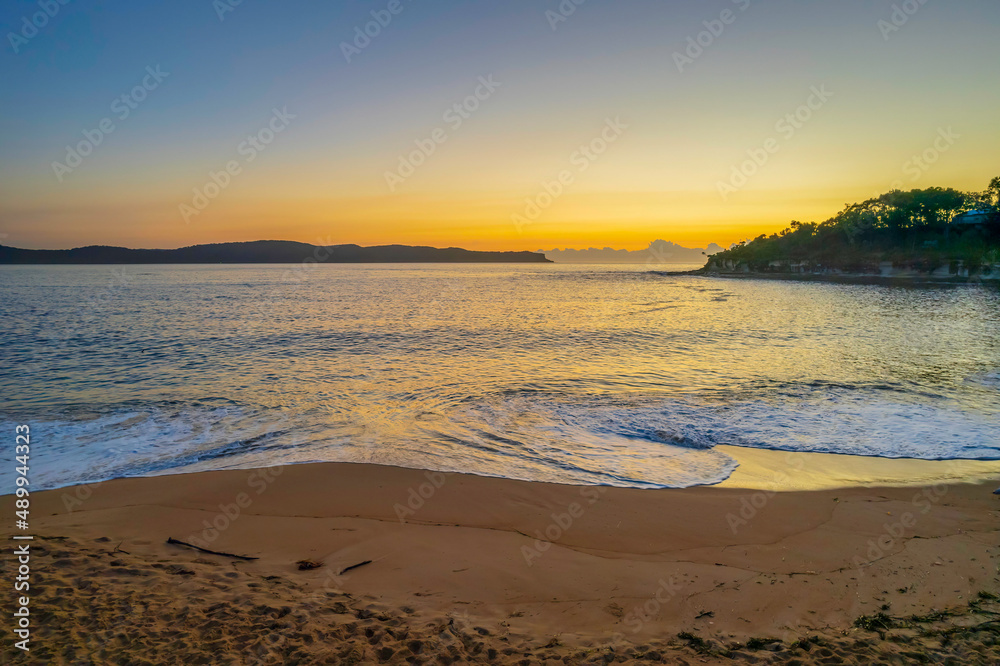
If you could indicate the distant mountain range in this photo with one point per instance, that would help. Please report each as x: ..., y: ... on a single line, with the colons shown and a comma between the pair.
x: 262, y: 252
x: 659, y: 251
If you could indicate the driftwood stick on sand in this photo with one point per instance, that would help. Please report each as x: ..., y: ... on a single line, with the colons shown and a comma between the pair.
x: 178, y: 542
x: 354, y: 566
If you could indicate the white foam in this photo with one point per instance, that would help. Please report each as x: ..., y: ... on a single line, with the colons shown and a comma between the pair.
x: 643, y: 441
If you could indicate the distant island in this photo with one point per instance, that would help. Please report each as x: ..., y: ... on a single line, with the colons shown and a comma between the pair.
x: 933, y: 233
x: 264, y: 252
x: 659, y: 251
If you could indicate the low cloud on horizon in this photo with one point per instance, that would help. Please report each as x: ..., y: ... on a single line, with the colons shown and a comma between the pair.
x: 660, y: 250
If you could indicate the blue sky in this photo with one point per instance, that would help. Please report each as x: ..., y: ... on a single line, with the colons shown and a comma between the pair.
x: 353, y: 121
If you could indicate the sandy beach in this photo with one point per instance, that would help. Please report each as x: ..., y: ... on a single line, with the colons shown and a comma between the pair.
x: 507, y: 333
x: 464, y: 569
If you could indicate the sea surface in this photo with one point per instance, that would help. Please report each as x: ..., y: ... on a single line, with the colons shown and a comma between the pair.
x: 588, y: 374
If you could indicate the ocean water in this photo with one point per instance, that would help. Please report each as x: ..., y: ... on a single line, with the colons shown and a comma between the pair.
x: 617, y: 375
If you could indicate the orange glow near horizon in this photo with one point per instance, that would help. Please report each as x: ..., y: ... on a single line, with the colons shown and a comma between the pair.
x: 641, y: 147
x: 622, y: 220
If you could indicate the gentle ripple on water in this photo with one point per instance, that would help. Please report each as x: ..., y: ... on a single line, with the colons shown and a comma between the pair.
x: 578, y: 374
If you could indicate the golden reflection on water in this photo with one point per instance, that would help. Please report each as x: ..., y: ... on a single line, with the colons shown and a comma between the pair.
x: 600, y: 374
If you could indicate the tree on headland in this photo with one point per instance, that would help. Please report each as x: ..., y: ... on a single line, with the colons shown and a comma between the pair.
x: 991, y: 195
x: 912, y: 227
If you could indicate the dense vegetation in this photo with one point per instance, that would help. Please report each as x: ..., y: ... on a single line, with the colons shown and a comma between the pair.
x: 910, y: 229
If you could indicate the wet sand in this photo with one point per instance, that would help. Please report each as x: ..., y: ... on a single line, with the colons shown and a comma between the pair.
x: 466, y: 569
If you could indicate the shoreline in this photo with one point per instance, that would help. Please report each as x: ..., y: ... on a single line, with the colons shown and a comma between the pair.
x: 846, y: 278
x: 787, y: 471
x: 758, y: 469
x: 540, y: 568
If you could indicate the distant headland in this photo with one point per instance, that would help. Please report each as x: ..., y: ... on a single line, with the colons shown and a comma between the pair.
x: 264, y: 252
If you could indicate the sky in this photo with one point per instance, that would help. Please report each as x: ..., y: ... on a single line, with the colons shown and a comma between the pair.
x: 603, y: 123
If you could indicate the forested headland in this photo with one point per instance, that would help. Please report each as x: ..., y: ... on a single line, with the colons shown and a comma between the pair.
x: 934, y: 230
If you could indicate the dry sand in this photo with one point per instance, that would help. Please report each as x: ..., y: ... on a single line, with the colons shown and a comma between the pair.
x: 510, y: 572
